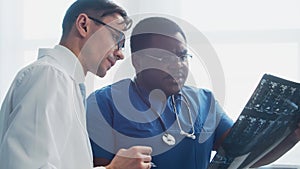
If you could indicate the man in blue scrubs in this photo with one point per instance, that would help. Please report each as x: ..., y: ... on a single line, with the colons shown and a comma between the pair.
x: 182, y: 124
x: 155, y: 108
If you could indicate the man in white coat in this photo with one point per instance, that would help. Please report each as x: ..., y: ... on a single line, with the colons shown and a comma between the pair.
x: 42, y: 119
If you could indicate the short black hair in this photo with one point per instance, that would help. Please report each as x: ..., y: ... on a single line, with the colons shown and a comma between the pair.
x: 99, y: 7
x: 150, y: 27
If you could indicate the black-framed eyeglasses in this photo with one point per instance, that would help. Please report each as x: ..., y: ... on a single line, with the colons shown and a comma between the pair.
x: 120, y: 38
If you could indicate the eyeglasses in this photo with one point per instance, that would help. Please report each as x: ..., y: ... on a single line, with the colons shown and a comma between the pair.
x: 168, y: 57
x: 120, y: 38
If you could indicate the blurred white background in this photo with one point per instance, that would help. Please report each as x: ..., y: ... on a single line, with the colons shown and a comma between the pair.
x: 250, y: 38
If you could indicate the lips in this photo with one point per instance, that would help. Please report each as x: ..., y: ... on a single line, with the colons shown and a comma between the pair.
x: 112, y: 60
x: 178, y: 78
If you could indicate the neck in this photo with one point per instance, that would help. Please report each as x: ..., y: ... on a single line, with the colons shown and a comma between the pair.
x: 76, y: 49
x: 149, y: 94
x: 143, y: 86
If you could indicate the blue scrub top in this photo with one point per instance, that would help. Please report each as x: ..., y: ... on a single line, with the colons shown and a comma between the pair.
x: 118, y: 118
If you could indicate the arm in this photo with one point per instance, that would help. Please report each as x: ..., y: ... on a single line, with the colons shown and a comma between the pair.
x: 281, y: 149
x: 29, y: 138
x: 136, y: 157
x: 100, y: 119
x: 220, y: 141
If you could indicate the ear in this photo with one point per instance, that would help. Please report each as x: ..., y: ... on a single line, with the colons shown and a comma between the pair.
x: 82, y: 24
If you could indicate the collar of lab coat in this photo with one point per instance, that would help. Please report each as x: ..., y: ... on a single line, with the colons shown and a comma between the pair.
x: 67, y: 59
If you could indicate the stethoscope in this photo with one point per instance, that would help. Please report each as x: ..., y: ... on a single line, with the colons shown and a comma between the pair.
x: 167, y: 137
x: 182, y: 132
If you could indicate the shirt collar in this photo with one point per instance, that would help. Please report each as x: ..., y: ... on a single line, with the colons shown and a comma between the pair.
x: 67, y: 59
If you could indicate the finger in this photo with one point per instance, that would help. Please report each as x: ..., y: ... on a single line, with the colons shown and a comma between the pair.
x: 146, y: 158
x: 143, y: 149
x: 147, y: 165
x: 139, y: 152
x: 297, y: 133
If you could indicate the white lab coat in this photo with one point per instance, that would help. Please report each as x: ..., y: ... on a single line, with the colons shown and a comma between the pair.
x: 42, y: 119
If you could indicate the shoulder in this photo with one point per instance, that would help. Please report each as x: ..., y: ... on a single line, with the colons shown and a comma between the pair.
x: 117, y: 88
x: 197, y: 92
x: 40, y: 71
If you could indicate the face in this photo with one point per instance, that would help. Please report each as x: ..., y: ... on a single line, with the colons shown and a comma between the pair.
x: 104, y: 46
x: 164, y: 65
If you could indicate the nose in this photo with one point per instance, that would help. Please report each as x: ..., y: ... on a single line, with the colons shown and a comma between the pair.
x: 176, y: 64
x: 119, y: 54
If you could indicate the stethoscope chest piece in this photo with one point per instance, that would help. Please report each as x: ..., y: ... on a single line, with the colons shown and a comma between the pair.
x: 168, y: 139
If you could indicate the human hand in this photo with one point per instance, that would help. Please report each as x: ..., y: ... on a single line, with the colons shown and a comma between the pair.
x: 136, y: 157
x: 294, y: 137
x: 297, y: 133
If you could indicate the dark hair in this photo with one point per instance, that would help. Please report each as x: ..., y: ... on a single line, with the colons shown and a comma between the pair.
x: 149, y: 27
x: 100, y: 8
